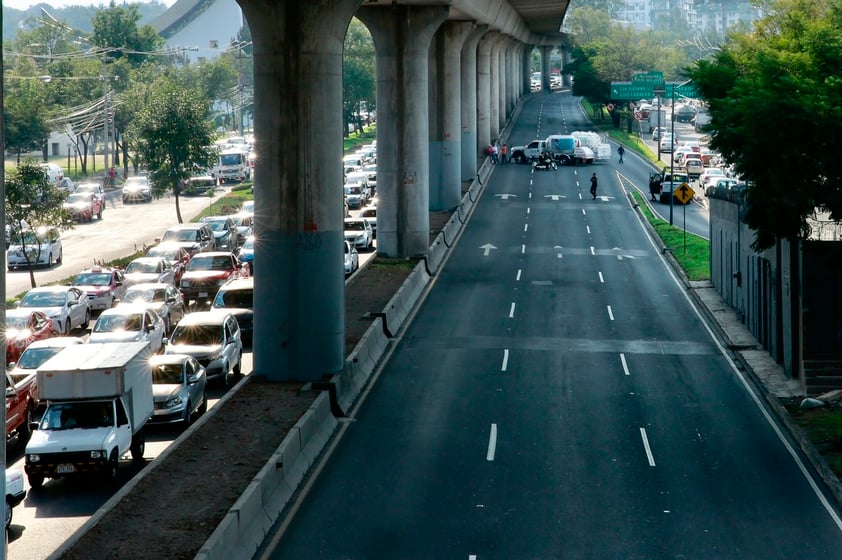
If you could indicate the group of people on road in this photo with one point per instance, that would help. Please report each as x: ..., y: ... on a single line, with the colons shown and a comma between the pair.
x: 498, y: 154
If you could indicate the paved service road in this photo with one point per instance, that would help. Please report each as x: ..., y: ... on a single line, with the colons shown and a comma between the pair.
x: 558, y: 397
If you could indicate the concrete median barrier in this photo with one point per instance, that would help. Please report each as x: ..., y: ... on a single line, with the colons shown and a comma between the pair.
x: 404, y: 300
x: 246, y: 524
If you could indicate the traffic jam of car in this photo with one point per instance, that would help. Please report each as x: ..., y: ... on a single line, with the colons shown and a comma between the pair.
x: 185, y: 302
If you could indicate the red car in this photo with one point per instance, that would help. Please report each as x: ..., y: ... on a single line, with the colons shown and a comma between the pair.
x: 83, y: 206
x: 23, y: 327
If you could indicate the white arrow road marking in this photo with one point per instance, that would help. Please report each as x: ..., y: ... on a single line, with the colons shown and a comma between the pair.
x: 604, y: 198
x: 554, y: 196
x: 506, y: 196
x: 558, y: 249
x: 487, y: 249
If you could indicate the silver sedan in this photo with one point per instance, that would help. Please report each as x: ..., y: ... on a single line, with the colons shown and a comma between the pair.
x: 179, y: 388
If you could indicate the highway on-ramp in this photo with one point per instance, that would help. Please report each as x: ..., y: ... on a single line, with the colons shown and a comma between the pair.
x: 558, y: 396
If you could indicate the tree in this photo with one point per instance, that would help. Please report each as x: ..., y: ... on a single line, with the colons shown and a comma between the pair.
x: 25, y: 123
x: 32, y: 202
x: 774, y: 103
x: 174, y: 135
x: 116, y: 27
x: 358, y: 72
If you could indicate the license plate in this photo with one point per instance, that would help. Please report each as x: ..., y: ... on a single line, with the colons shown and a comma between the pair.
x: 203, y: 294
x: 65, y: 469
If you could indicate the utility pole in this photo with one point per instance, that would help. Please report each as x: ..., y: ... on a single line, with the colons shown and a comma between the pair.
x: 105, y: 89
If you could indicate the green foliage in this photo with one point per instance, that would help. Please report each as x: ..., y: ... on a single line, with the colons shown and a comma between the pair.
x: 228, y: 204
x: 116, y: 27
x: 174, y: 134
x: 358, y: 71
x: 24, y: 114
x: 691, y: 251
x: 774, y: 102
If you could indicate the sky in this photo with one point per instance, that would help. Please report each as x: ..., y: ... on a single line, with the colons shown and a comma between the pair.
x: 25, y: 4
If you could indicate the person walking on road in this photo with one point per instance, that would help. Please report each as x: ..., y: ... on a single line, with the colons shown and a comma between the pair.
x: 593, y: 185
x: 621, y: 150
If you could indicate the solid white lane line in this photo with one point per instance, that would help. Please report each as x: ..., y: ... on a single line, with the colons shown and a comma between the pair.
x: 601, y: 279
x: 512, y: 311
x: 645, y: 439
x: 625, y: 365
x: 610, y: 313
x: 522, y: 249
x: 525, y: 227
x: 505, y: 359
x: 518, y: 276
x: 492, y: 443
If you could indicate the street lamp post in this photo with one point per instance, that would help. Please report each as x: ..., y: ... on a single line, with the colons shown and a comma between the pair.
x: 672, y: 143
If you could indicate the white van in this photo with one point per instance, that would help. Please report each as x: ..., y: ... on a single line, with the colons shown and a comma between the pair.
x: 54, y: 173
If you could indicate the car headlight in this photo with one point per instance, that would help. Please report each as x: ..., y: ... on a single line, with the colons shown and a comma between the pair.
x: 97, y: 454
x: 175, y: 401
x: 34, y: 458
x: 215, y: 355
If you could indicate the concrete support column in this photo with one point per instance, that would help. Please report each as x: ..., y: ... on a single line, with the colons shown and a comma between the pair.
x: 545, y: 67
x: 565, y: 60
x: 446, y: 119
x: 402, y: 36
x: 502, y: 80
x: 470, y: 143
x: 484, y: 134
x: 494, y: 81
x: 510, y: 79
x: 526, y: 70
x: 299, y: 327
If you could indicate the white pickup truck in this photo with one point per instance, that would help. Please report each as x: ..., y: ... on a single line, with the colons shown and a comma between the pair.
x: 99, y: 398
x: 670, y: 182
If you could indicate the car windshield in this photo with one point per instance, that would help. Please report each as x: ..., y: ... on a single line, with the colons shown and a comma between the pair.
x: 87, y: 415
x: 33, y: 358
x: 117, y: 323
x: 17, y: 322
x: 43, y: 299
x: 143, y: 266
x: 29, y: 238
x: 237, y: 220
x: 145, y: 295
x: 210, y: 263
x: 77, y: 198
x: 169, y: 254
x: 243, y: 299
x: 249, y: 244
x: 355, y: 226
x: 197, y: 335
x: 180, y: 235
x: 353, y: 190
x: 216, y: 225
x: 168, y: 374
x: 93, y: 279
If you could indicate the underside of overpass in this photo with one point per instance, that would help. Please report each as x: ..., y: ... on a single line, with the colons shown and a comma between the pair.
x: 448, y: 76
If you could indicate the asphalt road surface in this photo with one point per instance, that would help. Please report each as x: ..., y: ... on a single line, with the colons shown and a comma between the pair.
x: 558, y: 396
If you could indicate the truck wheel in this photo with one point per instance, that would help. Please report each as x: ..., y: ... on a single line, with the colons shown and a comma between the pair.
x: 113, y: 467
x: 138, y: 446
x: 520, y: 158
x: 25, y: 431
x: 35, y: 480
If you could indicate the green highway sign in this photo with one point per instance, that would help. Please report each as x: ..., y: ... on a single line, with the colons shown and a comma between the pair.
x: 652, y: 77
x: 628, y: 91
x: 685, y: 90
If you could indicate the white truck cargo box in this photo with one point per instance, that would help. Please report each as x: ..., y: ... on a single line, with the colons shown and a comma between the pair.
x: 101, y: 370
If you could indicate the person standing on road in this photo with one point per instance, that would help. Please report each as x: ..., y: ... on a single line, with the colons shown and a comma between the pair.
x: 621, y: 150
x: 504, y: 154
x: 494, y: 151
x: 593, y: 185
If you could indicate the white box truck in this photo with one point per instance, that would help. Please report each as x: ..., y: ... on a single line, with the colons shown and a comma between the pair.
x: 99, y: 398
